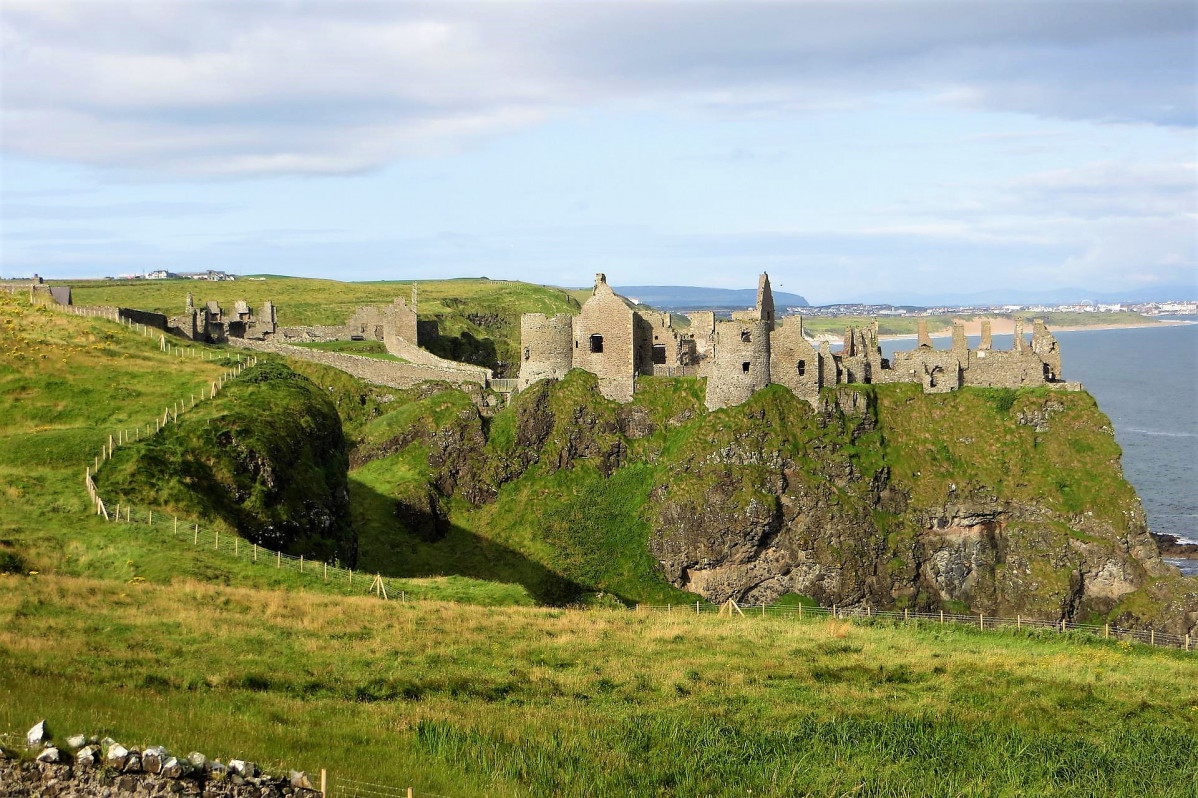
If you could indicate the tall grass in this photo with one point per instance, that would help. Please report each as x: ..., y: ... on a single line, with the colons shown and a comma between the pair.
x: 502, y: 701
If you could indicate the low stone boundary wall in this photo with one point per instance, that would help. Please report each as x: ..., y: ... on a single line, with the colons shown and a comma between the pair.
x: 375, y: 370
x: 88, y: 766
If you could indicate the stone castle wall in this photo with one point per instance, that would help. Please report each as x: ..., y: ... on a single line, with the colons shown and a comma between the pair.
x: 616, y: 342
x: 546, y: 347
x: 740, y: 363
x: 605, y: 341
x: 794, y: 360
x: 374, y: 370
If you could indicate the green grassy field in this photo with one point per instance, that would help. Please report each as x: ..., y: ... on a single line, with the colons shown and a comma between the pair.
x: 374, y: 349
x: 463, y: 700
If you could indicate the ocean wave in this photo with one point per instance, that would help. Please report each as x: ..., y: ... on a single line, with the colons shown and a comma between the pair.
x: 1161, y: 433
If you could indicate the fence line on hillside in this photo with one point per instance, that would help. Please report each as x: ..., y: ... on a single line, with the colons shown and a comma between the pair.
x: 980, y: 621
x: 170, y: 414
x: 233, y: 545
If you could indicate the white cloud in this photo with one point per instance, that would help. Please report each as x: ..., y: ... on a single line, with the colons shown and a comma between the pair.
x: 316, y: 87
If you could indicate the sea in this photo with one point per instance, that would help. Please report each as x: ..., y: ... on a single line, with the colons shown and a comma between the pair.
x: 1146, y: 380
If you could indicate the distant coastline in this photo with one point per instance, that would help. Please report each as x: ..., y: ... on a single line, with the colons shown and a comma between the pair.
x: 1007, y: 327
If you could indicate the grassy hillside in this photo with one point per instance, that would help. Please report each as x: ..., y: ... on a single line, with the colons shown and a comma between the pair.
x: 458, y: 700
x: 478, y: 319
x: 67, y: 382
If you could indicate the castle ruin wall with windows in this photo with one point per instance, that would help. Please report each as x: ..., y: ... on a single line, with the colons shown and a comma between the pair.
x: 613, y: 339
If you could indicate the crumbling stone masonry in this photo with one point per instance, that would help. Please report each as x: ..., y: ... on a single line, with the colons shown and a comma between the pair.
x: 212, y: 325
x: 617, y: 341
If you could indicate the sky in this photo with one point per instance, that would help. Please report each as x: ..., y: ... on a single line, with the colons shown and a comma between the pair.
x: 855, y: 151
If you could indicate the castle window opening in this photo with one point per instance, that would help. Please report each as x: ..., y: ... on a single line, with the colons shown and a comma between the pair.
x: 659, y: 354
x: 526, y: 353
x: 746, y: 337
x: 597, y: 343
x: 802, y: 367
x: 745, y: 367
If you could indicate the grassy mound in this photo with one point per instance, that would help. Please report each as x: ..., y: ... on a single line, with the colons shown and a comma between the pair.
x: 267, y: 457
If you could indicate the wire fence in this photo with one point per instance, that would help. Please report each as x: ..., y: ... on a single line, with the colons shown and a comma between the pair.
x: 983, y: 622
x: 351, y: 788
x: 233, y: 545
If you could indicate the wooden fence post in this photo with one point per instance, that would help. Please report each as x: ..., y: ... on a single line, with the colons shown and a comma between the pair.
x: 323, y: 783
x: 696, y: 608
x: 1152, y: 637
x: 1187, y: 642
x: 278, y: 559
x: 1107, y: 632
x: 763, y: 609
x: 981, y: 621
x: 216, y: 544
x: 800, y: 611
x: 905, y: 616
x: 196, y: 540
x: 942, y: 617
x: 255, y: 552
x: 301, y: 563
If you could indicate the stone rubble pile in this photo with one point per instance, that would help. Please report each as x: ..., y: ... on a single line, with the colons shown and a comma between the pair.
x: 88, y: 766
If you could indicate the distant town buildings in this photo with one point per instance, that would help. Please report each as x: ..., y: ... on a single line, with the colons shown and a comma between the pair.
x: 873, y: 311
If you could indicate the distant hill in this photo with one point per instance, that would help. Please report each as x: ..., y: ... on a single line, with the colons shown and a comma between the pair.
x: 689, y: 297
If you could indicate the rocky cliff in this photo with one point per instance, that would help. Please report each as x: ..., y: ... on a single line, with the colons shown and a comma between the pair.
x: 997, y: 501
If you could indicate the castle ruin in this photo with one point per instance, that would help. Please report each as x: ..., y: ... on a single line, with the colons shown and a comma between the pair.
x: 613, y: 339
x: 210, y: 323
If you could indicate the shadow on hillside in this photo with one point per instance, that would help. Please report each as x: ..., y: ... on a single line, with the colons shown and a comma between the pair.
x: 464, y: 348
x: 400, y: 540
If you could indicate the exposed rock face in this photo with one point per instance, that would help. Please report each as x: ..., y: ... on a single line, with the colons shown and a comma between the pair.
x: 978, y: 500
x: 753, y: 521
